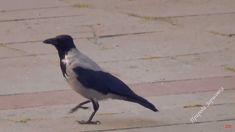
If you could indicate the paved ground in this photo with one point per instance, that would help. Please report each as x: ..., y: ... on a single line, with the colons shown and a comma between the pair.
x: 176, y: 53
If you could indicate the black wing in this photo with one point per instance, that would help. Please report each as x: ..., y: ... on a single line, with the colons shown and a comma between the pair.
x: 103, y: 82
x: 106, y: 83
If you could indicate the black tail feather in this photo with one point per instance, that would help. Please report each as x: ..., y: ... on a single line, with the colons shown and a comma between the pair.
x: 144, y: 102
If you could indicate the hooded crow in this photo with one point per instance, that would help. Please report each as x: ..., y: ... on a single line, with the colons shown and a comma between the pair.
x: 89, y: 80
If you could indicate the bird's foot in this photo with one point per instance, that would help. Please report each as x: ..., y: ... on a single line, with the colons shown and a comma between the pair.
x: 89, y: 122
x: 76, y: 108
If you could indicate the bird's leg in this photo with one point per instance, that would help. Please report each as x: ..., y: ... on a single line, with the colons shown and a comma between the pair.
x: 89, y: 121
x: 80, y: 106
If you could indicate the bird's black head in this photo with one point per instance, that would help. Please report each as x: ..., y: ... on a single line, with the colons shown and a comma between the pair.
x: 63, y: 43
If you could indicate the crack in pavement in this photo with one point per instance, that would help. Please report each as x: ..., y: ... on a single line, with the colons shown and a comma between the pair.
x: 11, y: 48
x: 222, y: 34
x: 36, y: 18
x: 125, y: 60
x: 126, y: 34
x: 95, y: 37
x: 163, y: 18
x: 101, y: 36
x: 165, y: 57
x: 183, y: 16
x: 29, y: 55
x: 199, y: 105
x: 29, y: 9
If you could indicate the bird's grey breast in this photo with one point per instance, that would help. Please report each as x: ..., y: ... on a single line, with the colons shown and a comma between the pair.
x: 73, y: 60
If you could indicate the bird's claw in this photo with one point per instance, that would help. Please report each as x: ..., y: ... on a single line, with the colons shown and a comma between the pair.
x: 89, y: 122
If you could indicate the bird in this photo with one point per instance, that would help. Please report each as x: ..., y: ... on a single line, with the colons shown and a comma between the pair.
x: 88, y: 79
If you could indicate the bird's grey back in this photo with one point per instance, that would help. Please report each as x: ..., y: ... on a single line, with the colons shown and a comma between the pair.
x: 78, y: 59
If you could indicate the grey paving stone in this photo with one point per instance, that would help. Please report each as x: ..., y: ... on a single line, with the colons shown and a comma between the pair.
x: 128, y: 116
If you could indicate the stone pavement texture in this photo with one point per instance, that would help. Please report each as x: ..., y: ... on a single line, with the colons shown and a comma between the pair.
x: 176, y: 53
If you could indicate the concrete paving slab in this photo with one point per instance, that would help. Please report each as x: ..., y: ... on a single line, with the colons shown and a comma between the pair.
x: 205, y: 127
x: 6, y: 52
x: 69, y: 97
x: 12, y: 5
x: 161, y: 8
x: 130, y: 47
x: 22, y: 31
x: 43, y: 13
x: 118, y: 16
x: 22, y: 74
x: 44, y: 70
x: 101, y: 26
x: 126, y: 116
x: 35, y: 97
x: 137, y: 59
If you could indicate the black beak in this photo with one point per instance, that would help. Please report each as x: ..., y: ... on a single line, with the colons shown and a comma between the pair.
x: 50, y: 41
